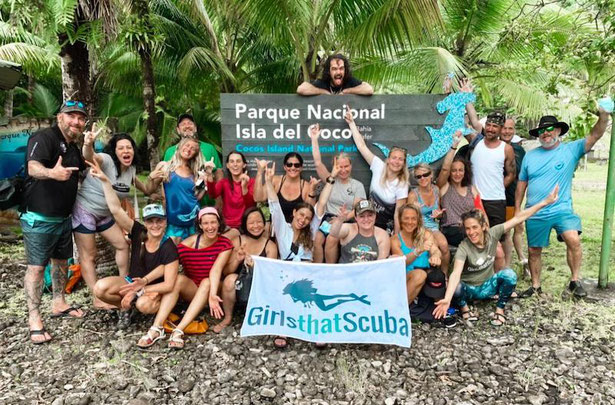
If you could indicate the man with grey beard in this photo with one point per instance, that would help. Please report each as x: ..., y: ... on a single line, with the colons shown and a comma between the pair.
x: 550, y: 165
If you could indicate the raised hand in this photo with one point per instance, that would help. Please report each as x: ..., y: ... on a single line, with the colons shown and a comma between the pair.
x: 249, y: 261
x: 61, y: 173
x: 244, y: 179
x: 348, y: 117
x: 457, y: 138
x: 89, y: 137
x: 314, y: 131
x: 241, y: 252
x: 270, y: 173
x: 261, y: 164
x: 209, y: 165
x: 341, y: 217
x: 336, y: 170
x: 466, y: 85
x: 313, y: 184
x: 96, y: 171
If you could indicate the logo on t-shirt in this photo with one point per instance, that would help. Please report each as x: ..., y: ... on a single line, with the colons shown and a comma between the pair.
x: 363, y: 253
x: 559, y: 165
x: 63, y: 147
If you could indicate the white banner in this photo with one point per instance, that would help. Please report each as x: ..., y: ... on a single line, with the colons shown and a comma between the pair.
x: 330, y: 303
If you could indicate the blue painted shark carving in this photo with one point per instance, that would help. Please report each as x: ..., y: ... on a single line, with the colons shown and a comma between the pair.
x: 441, y: 139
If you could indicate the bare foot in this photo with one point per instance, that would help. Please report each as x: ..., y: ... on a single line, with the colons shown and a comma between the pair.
x: 219, y: 327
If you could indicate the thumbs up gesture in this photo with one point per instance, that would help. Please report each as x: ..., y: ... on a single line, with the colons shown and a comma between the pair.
x: 61, y: 173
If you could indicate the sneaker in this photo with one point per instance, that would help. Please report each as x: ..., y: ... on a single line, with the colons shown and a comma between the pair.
x: 530, y: 291
x: 576, y: 288
x: 449, y: 321
x: 126, y: 318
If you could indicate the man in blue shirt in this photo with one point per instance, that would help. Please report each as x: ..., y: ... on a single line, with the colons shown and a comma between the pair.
x: 551, y: 164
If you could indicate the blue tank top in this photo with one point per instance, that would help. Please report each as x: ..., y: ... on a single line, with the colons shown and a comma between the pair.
x: 421, y: 262
x: 429, y: 222
x: 182, y: 206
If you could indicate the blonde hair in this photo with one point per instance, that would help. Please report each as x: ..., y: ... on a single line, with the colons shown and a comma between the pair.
x: 195, y: 164
x: 341, y: 155
x: 403, y: 176
x: 418, y: 236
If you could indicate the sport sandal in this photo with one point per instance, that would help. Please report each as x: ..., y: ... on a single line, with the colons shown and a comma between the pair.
x: 176, y: 340
x: 498, y: 319
x: 154, y: 334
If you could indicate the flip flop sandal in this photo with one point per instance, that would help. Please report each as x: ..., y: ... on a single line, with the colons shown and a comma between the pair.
x: 39, y: 332
x: 497, y: 320
x: 175, y: 340
x: 66, y: 313
x: 280, y: 346
x: 150, y: 338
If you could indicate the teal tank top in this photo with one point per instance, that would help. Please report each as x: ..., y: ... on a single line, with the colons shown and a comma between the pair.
x: 421, y: 262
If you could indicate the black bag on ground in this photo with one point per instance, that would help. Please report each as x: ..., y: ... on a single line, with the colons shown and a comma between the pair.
x: 11, y: 191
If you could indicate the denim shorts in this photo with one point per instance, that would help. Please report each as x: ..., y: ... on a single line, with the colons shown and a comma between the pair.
x: 47, y: 240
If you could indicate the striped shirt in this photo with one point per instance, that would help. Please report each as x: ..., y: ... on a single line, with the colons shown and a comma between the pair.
x: 197, y: 263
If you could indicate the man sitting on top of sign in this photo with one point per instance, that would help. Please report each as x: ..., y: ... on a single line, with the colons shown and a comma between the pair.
x: 336, y: 79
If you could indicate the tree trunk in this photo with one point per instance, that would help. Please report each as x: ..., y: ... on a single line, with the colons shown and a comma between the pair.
x: 75, y: 72
x: 8, y: 104
x: 149, y: 101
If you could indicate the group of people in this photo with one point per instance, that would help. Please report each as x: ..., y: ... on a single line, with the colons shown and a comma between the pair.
x: 197, y: 246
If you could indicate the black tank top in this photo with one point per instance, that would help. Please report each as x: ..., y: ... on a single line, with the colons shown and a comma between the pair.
x: 288, y: 206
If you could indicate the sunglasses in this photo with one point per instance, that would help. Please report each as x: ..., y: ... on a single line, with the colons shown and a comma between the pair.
x: 404, y: 150
x: 75, y: 103
x: 295, y: 165
x: 543, y: 130
x: 421, y: 176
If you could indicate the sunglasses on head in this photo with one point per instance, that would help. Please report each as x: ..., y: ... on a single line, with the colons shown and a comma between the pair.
x: 295, y: 165
x: 73, y: 103
x: 424, y: 175
x: 543, y: 130
x: 404, y: 150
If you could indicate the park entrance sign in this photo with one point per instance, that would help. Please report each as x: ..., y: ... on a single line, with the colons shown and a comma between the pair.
x: 268, y: 126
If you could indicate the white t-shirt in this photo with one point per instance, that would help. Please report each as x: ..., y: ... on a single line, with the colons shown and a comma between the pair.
x: 390, y: 191
x: 91, y: 195
x: 284, y: 234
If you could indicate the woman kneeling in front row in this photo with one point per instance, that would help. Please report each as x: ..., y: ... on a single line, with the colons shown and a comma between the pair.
x: 474, y: 264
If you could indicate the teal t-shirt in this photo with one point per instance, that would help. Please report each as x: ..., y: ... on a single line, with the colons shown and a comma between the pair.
x: 543, y: 168
x: 208, y: 151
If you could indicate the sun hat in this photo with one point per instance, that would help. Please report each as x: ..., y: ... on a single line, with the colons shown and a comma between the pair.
x: 549, y: 121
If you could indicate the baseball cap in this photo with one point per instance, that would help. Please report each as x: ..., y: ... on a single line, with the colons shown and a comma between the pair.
x: 435, y: 285
x: 73, y: 106
x: 184, y: 116
x: 363, y: 206
x: 153, y: 211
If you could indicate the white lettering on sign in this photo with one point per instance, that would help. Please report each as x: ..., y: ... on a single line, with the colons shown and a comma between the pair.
x: 273, y: 114
x: 319, y: 113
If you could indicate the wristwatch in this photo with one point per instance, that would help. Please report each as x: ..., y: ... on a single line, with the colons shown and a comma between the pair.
x: 330, y: 180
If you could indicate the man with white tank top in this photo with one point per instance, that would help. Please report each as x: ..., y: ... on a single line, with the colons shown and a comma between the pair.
x: 493, y: 168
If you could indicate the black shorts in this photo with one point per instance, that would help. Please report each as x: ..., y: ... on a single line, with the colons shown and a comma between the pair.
x: 453, y: 234
x: 496, y: 212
